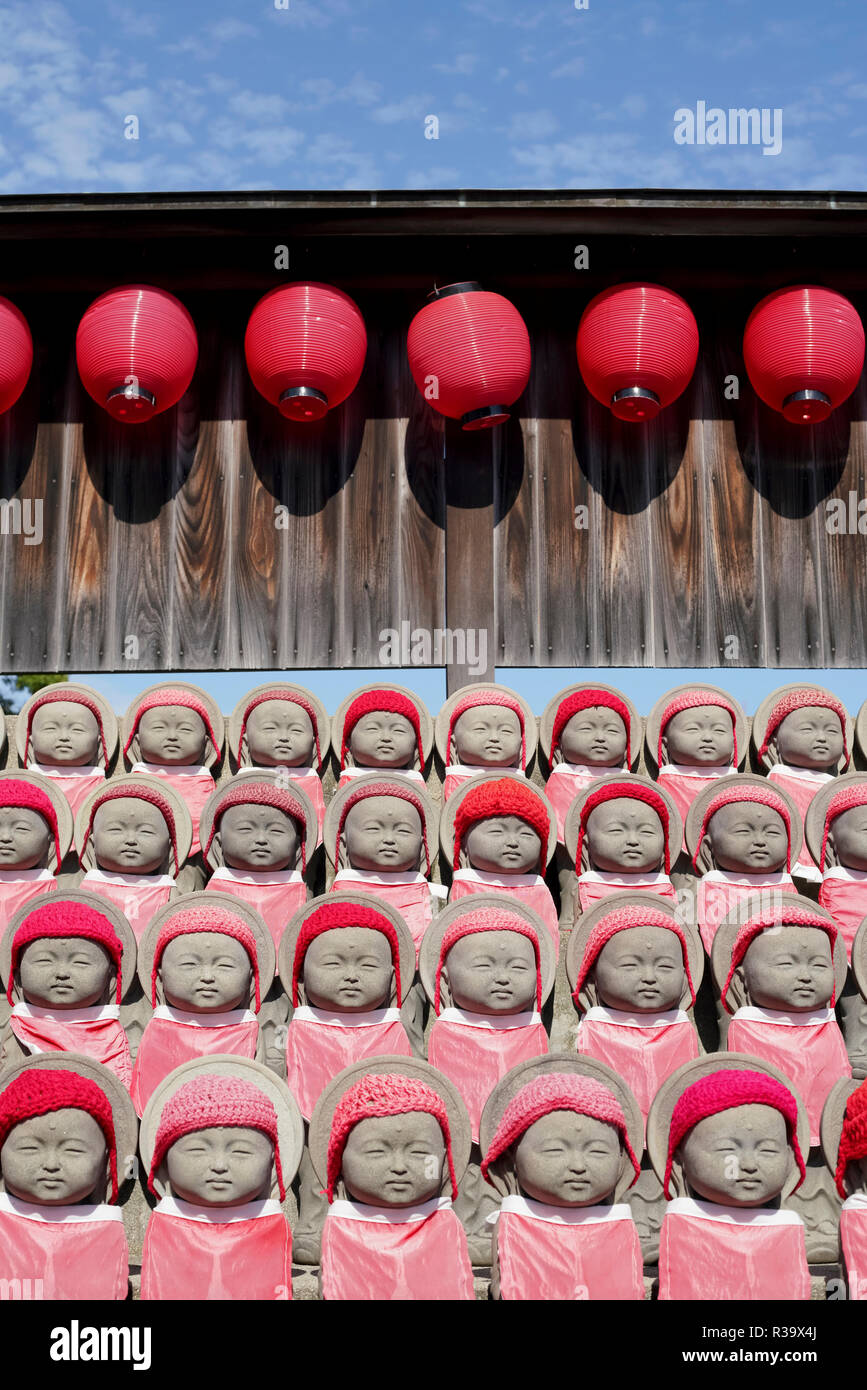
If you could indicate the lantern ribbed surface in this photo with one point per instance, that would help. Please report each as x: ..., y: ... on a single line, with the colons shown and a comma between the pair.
x: 469, y: 354
x: 804, y: 351
x: 637, y: 347
x: 305, y: 347
x: 16, y: 353
x: 138, y: 332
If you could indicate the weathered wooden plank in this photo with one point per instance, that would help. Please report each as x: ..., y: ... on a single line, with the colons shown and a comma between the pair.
x: 471, y: 508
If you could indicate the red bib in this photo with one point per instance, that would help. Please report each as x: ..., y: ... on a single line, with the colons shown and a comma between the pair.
x: 529, y: 889
x: 475, y: 1052
x: 19, y: 886
x: 844, y: 894
x: 320, y: 1044
x: 138, y: 896
x: 368, y: 1258
x: 408, y: 894
x: 593, y: 886
x: 76, y: 783
x: 62, y: 1253
x: 193, y: 785
x: 190, y: 1254
x: 683, y: 784
x: 716, y: 1253
x: 173, y: 1036
x: 558, y: 1254
x: 643, y: 1049
x: 853, y: 1238
x: 459, y: 773
x: 719, y: 892
x: 808, y: 1048
x: 802, y: 784
x: 96, y: 1032
x: 276, y: 897
x: 569, y: 780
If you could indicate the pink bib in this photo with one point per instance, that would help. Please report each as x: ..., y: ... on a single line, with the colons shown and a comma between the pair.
x: 459, y: 773
x: 529, y: 889
x: 558, y: 1254
x: 172, y: 1037
x: 193, y: 785
x: 408, y: 894
x: 721, y: 1253
x: 719, y: 892
x: 802, y: 787
x: 188, y: 1254
x: 320, y: 1044
x: 276, y: 897
x: 138, y: 896
x: 63, y: 1253
x: 569, y: 780
x: 76, y: 783
x: 365, y: 1258
x: 643, y: 1049
x: 593, y: 886
x: 350, y: 773
x: 475, y: 1052
x: 96, y: 1032
x: 808, y: 1048
x: 844, y: 894
x: 853, y: 1238
x: 684, y: 784
x: 18, y: 887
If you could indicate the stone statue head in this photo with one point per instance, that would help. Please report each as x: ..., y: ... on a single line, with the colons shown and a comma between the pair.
x: 748, y: 837
x: 382, y: 727
x: 65, y: 955
x: 131, y: 836
x: 174, y: 726
x: 64, y: 733
x: 280, y: 734
x: 594, y: 726
x: 699, y: 736
x: 207, y: 953
x: 802, y: 727
x: 625, y: 835
x: 785, y: 957
x: 500, y: 826
x: 382, y: 834
x: 57, y: 1139
x: 595, y: 736
x: 346, y: 953
x: 629, y: 953
x: 26, y: 837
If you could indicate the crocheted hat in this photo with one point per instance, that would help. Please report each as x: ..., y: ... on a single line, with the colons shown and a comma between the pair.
x: 63, y: 919
x: 854, y: 794
x: 613, y: 788
x: 800, y: 698
x: 76, y: 695
x: 377, y: 1095
x: 213, y: 1101
x: 500, y: 796
x: 389, y: 700
x: 624, y: 919
x: 726, y: 1090
x: 292, y: 695
x: 853, y: 1137
x: 42, y: 1091
x: 558, y: 1091
x: 246, y: 790
x: 172, y: 695
x: 764, y: 796
x: 333, y: 915
x: 475, y: 698
x: 487, y: 919
x: 187, y: 920
x: 26, y: 796
x: 377, y: 786
x: 784, y: 915
x: 591, y: 699
x: 693, y: 699
x: 142, y: 791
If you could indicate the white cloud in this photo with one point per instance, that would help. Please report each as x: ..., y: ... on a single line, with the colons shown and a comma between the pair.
x: 574, y: 68
x: 462, y: 65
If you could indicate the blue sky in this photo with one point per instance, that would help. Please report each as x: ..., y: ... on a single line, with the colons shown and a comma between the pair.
x: 334, y: 93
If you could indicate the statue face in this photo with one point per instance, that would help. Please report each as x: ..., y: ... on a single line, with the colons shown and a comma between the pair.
x: 130, y: 836
x: 172, y: 736
x: 394, y: 1160
x: 700, y: 737
x: 739, y: 1158
x: 568, y: 1160
x: 746, y: 837
x: 258, y: 837
x: 640, y: 970
x: 503, y: 845
x: 221, y: 1167
x: 64, y: 734
x: 383, y: 835
x: 847, y: 835
x: 811, y: 737
x: 280, y: 734
x: 206, y: 973
x: 492, y: 972
x: 625, y: 834
x: 349, y: 969
x: 57, y: 1159
x: 381, y: 739
x: 66, y: 972
x: 25, y: 839
x: 488, y: 736
x: 596, y: 736
x: 790, y: 969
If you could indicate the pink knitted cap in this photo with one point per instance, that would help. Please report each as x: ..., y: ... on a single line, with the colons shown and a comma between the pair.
x: 763, y: 796
x: 142, y: 792
x: 802, y: 699
x: 784, y: 915
x: 844, y: 800
x: 623, y: 919
x: 405, y: 793
x: 207, y: 919
x: 693, y: 699
x: 590, y: 699
x: 487, y: 919
x: 248, y: 791
x: 558, y: 1091
x: 60, y: 692
x: 292, y: 697
x: 489, y: 697
x: 65, y: 919
x: 209, y: 1102
x: 185, y: 698
x: 726, y: 1090
x: 377, y: 1095
x: 392, y: 702
x: 16, y: 792
x: 332, y: 916
x: 636, y: 792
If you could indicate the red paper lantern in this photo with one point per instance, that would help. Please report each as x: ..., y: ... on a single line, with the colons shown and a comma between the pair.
x: 305, y: 347
x: 469, y: 354
x: 136, y: 349
x: 637, y: 347
x: 804, y: 350
x: 16, y: 353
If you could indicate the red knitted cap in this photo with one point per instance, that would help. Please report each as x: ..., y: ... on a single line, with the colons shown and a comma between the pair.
x: 392, y: 702
x: 60, y: 692
x: 41, y: 1091
x: 66, y: 919
x: 802, y: 699
x: 487, y: 919
x: 185, y: 698
x: 30, y: 798
x: 558, y: 1091
x: 590, y: 699
x: 501, y: 796
x: 489, y: 697
x: 293, y: 697
x: 764, y: 796
x: 404, y: 793
x: 333, y: 916
x: 377, y: 1095
x: 784, y: 915
x: 692, y: 699
x: 142, y: 793
x: 624, y: 919
x: 609, y: 792
x: 853, y: 1136
x: 246, y: 791
x: 199, y: 919
x: 211, y: 1102
x: 726, y: 1090
x: 844, y: 800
